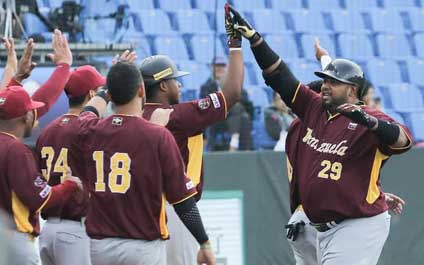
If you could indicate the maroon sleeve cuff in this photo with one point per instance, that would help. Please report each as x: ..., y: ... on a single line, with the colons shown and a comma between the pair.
x: 61, y: 193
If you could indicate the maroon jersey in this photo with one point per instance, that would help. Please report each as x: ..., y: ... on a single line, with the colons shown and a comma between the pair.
x: 292, y: 139
x: 55, y: 152
x: 23, y: 190
x: 132, y: 167
x: 338, y: 162
x: 186, y: 123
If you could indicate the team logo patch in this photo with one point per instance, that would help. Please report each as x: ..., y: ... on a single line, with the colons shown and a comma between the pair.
x: 39, y: 182
x: 117, y: 121
x: 2, y: 101
x: 64, y: 121
x: 204, y: 103
x: 215, y: 100
x: 352, y: 126
x: 45, y: 192
x: 189, y: 185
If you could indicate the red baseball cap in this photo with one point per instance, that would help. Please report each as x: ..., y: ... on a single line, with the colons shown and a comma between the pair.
x: 82, y: 80
x: 15, y: 102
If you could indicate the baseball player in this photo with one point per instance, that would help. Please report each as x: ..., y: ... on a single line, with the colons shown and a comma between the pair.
x: 301, y: 234
x: 131, y: 168
x: 24, y: 192
x: 187, y: 122
x: 340, y: 156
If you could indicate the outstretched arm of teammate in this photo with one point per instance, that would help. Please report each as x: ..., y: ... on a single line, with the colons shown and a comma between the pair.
x: 388, y: 133
x: 275, y: 71
x: 322, y: 55
x: 233, y: 81
x: 11, y: 64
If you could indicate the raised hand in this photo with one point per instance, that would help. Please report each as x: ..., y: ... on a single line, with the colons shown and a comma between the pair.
x: 243, y: 26
x: 61, y: 52
x: 357, y: 114
x: 126, y: 56
x: 319, y: 51
x: 233, y: 36
x: 12, y: 60
x: 26, y: 65
x: 161, y: 116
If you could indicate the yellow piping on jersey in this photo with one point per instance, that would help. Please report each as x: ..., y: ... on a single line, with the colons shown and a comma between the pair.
x: 407, y: 136
x: 295, y: 93
x: 164, y: 233
x: 195, y: 155
x: 373, y: 190
x: 21, y: 215
x: 289, y: 170
x: 225, y: 103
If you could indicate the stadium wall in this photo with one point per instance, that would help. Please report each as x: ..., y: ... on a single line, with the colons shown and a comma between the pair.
x: 262, y: 177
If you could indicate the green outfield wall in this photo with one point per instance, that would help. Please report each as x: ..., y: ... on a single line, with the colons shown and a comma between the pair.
x: 262, y: 178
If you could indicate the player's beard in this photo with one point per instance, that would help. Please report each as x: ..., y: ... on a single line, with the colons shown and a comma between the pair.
x: 28, y: 131
x: 331, y: 103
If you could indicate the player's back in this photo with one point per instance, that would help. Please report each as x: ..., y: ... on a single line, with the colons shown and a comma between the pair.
x: 125, y: 158
x: 56, y: 150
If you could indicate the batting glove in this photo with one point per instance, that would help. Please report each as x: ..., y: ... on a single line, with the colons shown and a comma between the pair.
x: 357, y: 114
x: 294, y: 229
x: 244, y: 27
x: 233, y: 36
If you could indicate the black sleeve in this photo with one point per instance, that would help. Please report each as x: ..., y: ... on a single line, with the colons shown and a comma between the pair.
x: 190, y: 216
x: 282, y: 81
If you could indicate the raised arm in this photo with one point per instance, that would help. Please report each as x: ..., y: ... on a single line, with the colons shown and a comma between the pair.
x: 234, y: 77
x: 322, y: 55
x: 11, y: 64
x: 275, y: 71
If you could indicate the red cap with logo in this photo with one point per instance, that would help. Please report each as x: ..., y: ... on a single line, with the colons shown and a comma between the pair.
x: 15, y: 102
x: 82, y: 80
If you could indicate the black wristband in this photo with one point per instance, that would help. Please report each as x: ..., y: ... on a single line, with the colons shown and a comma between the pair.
x: 264, y: 55
x: 190, y: 216
x: 91, y: 109
x: 103, y: 94
x: 387, y: 133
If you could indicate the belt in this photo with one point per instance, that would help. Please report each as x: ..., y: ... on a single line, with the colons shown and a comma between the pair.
x: 59, y: 220
x: 323, y: 227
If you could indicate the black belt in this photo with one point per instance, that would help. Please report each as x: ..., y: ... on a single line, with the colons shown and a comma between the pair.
x: 323, y: 227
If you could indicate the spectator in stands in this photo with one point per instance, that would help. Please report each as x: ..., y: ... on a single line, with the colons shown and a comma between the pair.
x: 369, y: 97
x: 278, y: 118
x: 234, y: 133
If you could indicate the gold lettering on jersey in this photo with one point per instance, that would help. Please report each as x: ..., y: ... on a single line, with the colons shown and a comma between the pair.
x: 326, y: 148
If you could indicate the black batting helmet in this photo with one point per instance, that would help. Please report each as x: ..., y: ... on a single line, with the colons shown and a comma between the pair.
x: 345, y: 71
x: 157, y: 68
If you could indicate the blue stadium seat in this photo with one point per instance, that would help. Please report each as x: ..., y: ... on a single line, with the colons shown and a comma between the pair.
x: 192, y: 21
x: 416, y: 17
x: 323, y: 4
x: 284, y: 5
x: 58, y: 3
x: 155, y: 21
x: 143, y: 48
x: 99, y: 7
x: 383, y: 72
x: 257, y: 73
x: 308, y: 21
x: 199, y: 73
x: 268, y: 21
x: 33, y: 24
x: 360, y: 4
x: 172, y: 5
x: 258, y: 96
x: 405, y: 97
x: 304, y: 71
x: 416, y: 70
x: 417, y: 125
x: 347, y: 21
x: 99, y: 30
x: 203, y: 47
x: 419, y: 47
x: 209, y: 5
x: 189, y: 95
x: 248, y: 55
x: 220, y: 22
x: 326, y: 41
x: 401, y: 3
x: 173, y: 46
x: 140, y: 4
x: 386, y: 20
x: 283, y: 44
x: 248, y: 5
x: 353, y: 46
x: 393, y: 46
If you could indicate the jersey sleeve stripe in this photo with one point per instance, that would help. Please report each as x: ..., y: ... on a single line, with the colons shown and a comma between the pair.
x: 225, y: 103
x: 186, y: 198
x: 295, y: 93
x: 45, y: 202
